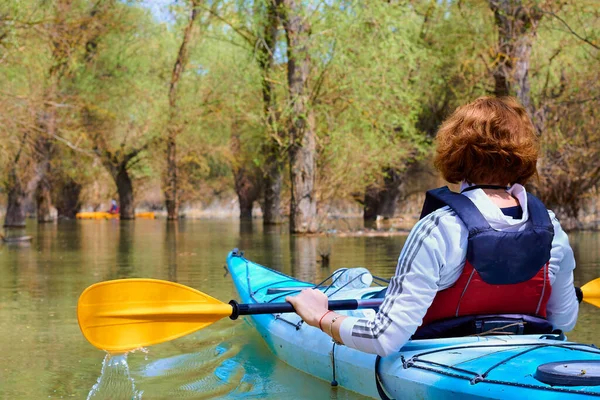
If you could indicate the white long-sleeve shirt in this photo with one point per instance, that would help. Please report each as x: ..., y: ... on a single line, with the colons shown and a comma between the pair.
x: 433, y: 258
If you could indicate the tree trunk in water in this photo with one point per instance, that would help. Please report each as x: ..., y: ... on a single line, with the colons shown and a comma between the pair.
x: 172, y: 249
x: 44, y: 201
x: 43, y: 195
x: 247, y: 183
x: 45, y: 151
x: 383, y: 201
x: 302, y: 152
x: 273, y: 171
x: 66, y: 199
x: 15, y: 205
x: 517, y: 26
x: 171, y: 195
x: 125, y: 189
x: 272, y: 192
x: 172, y: 183
x: 17, y: 191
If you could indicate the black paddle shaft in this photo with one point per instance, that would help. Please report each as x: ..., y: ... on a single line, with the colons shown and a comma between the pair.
x: 284, y: 307
x: 334, y: 305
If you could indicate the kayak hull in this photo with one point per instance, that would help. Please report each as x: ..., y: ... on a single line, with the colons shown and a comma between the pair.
x: 409, y: 374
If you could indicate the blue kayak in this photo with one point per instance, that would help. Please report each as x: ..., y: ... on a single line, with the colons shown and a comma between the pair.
x: 474, y: 367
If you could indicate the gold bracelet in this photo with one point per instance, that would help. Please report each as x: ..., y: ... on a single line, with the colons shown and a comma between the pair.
x: 331, y: 325
x: 331, y: 330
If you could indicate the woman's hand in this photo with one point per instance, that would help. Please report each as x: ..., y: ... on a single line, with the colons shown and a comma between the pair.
x: 310, y: 304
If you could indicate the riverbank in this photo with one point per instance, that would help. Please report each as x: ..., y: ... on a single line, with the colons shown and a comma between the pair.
x: 334, y: 216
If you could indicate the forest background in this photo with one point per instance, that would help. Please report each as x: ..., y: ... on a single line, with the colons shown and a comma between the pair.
x: 299, y: 108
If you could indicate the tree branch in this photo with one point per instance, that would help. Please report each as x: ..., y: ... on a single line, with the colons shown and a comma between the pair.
x: 586, y: 40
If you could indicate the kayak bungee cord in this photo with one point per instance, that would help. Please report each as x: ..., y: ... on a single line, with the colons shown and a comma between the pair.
x: 317, y: 286
x: 477, y: 377
x: 482, y: 377
x: 252, y: 293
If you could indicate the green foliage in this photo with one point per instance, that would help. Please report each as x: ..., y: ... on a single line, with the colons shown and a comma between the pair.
x: 383, y: 77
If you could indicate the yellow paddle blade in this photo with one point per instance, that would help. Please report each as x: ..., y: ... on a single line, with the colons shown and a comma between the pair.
x: 127, y: 314
x: 591, y: 292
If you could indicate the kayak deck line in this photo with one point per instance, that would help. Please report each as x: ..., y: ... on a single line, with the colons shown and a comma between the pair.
x: 443, y: 362
x: 482, y: 377
x: 479, y: 379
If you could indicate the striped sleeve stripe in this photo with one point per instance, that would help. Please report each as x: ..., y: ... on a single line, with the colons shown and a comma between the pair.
x: 419, y: 236
x: 413, y: 246
x: 366, y: 329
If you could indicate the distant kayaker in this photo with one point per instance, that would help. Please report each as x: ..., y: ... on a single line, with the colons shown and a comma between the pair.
x: 473, y: 257
x: 114, y: 207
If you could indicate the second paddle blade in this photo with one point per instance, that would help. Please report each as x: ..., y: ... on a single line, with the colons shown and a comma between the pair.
x: 127, y: 314
x: 591, y: 292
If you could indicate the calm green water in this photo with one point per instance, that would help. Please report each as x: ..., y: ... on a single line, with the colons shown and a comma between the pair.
x: 45, y: 356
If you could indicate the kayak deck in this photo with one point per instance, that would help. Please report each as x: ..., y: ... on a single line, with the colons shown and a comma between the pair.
x: 475, y: 367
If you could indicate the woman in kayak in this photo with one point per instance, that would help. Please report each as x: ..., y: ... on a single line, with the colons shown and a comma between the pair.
x: 492, y: 249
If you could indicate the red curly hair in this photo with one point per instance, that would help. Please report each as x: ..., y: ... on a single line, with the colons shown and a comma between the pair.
x: 488, y: 141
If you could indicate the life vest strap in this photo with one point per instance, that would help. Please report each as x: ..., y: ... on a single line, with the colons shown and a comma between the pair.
x: 470, y: 214
x: 462, y: 205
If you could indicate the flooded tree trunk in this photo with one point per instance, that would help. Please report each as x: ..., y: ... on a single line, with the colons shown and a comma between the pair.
x: 302, y: 151
x: 273, y: 170
x: 383, y: 200
x: 44, y: 201
x: 66, y: 198
x: 17, y: 190
x: 247, y: 180
x: 119, y: 171
x: 15, y: 203
x: 171, y: 185
x: 273, y: 181
x: 118, y: 165
x: 45, y: 150
x: 125, y: 190
x: 245, y: 207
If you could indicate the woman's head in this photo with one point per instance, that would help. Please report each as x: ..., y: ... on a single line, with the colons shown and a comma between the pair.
x: 488, y: 141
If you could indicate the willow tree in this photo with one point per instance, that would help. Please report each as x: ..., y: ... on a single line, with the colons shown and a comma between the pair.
x: 301, y: 127
x: 219, y: 113
x: 174, y: 126
x: 273, y: 169
x: 566, y: 93
x: 47, y: 39
x: 119, y: 88
x: 258, y: 171
x: 366, y: 96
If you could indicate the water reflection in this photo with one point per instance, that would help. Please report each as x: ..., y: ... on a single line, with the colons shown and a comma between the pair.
x: 272, y: 245
x: 172, y: 235
x: 303, y: 251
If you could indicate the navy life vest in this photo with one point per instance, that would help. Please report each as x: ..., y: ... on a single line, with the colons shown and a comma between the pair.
x: 504, y: 272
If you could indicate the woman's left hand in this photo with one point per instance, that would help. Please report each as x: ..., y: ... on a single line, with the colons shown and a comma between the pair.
x: 310, y: 304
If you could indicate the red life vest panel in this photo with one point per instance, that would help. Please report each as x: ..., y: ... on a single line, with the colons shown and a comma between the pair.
x: 504, y: 272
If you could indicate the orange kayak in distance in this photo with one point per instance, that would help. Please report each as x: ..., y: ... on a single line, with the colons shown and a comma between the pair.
x: 105, y: 215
